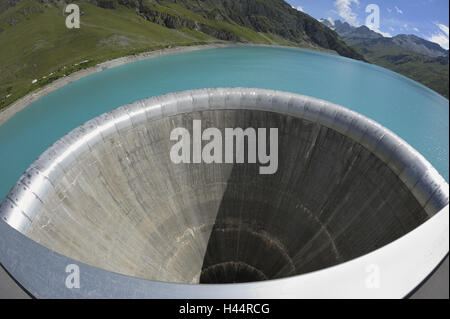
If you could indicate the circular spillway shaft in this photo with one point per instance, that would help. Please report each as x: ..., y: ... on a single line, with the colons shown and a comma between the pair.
x: 109, y: 195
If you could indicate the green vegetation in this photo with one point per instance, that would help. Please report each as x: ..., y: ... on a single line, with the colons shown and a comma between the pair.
x: 244, y: 20
x: 36, y: 44
x: 421, y: 60
x: 432, y: 72
x: 37, y: 48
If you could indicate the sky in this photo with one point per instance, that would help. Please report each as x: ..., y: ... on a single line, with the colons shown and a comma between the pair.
x: 428, y: 19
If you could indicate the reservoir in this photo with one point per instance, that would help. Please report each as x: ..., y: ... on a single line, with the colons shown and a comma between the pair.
x: 415, y: 113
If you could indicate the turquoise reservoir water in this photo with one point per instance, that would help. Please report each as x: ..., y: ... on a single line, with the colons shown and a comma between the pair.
x: 415, y: 113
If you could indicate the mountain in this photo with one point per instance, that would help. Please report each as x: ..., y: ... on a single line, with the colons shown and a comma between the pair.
x: 407, y: 42
x: 415, y: 44
x: 350, y: 32
x: 421, y: 60
x: 263, y: 16
x: 41, y: 47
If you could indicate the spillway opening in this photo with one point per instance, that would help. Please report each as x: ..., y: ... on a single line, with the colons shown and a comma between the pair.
x: 230, y: 273
x: 122, y: 205
x: 126, y: 207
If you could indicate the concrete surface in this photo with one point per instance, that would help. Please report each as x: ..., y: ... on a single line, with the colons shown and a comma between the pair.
x: 436, y: 286
x: 125, y: 207
x: 9, y: 288
x: 108, y: 195
x: 404, y: 263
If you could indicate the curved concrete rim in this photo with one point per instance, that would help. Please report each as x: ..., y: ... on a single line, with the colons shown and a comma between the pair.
x: 423, y: 248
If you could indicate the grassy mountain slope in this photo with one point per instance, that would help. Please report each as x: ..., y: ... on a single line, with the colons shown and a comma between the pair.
x: 433, y: 72
x: 36, y: 44
x: 416, y: 58
x: 266, y: 16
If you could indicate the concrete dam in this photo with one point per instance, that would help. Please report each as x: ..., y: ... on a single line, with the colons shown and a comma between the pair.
x: 108, y: 195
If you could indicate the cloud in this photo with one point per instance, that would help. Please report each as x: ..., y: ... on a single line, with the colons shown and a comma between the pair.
x: 441, y: 36
x: 399, y: 11
x: 384, y: 34
x: 443, y: 28
x: 331, y: 21
x: 345, y: 11
x: 440, y: 39
x: 416, y: 29
x: 300, y: 8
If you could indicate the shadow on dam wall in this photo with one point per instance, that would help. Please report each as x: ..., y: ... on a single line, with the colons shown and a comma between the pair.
x: 118, y: 203
x: 330, y: 201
